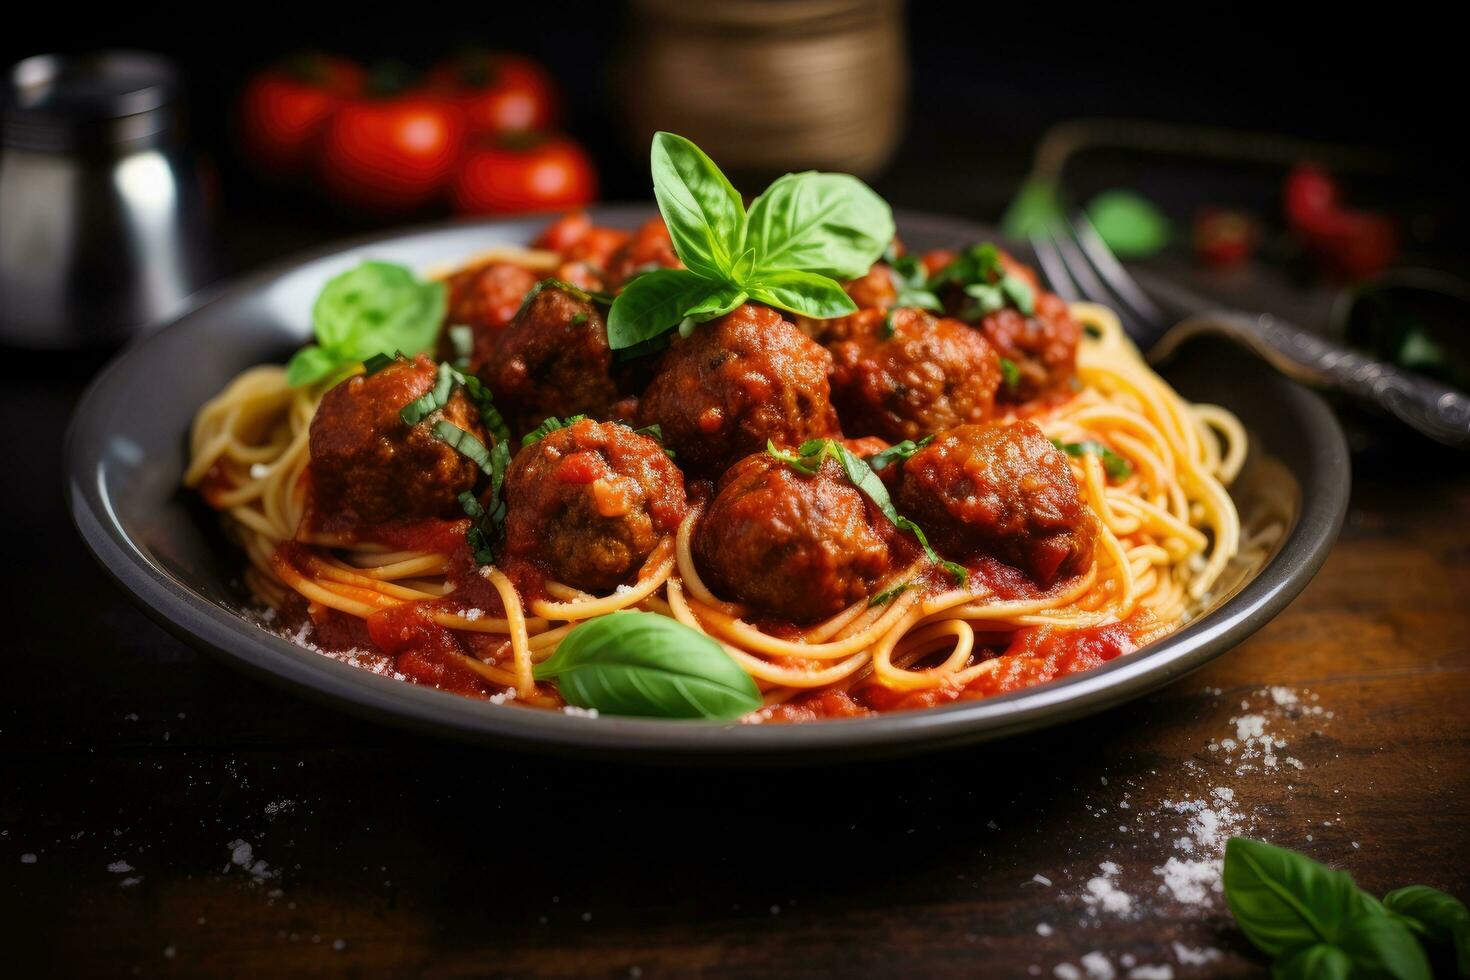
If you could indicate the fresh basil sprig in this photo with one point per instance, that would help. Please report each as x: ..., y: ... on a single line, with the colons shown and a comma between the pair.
x: 371, y: 309
x: 1114, y: 465
x: 644, y: 664
x: 803, y: 233
x: 1437, y: 918
x: 808, y: 459
x: 1316, y: 922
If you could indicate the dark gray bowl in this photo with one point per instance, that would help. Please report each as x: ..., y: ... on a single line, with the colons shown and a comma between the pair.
x: 126, y: 452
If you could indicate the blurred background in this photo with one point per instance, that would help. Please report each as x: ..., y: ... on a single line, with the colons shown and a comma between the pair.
x: 1278, y: 161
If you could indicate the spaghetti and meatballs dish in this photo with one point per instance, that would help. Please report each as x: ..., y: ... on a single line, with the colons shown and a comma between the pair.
x: 744, y: 463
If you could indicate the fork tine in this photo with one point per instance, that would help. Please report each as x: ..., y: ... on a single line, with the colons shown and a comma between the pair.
x: 1054, y: 268
x: 1110, y: 269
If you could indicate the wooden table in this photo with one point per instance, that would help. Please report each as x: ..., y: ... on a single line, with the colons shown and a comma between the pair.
x: 162, y: 815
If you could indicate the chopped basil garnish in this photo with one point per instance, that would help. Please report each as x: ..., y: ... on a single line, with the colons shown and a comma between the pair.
x: 808, y: 459
x: 577, y: 292
x: 579, y: 318
x: 886, y: 332
x: 465, y: 443
x: 1010, y: 373
x: 910, y: 282
x: 880, y: 461
x: 447, y: 380
x: 547, y: 427
x: 979, y: 271
x: 377, y: 362
x: 489, y: 414
x: 431, y: 401
x: 462, y: 339
x: 487, y: 526
x: 888, y: 595
x: 1114, y: 465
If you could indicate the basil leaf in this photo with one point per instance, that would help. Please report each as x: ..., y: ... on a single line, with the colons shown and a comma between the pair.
x: 1440, y: 918
x: 880, y: 461
x: 910, y: 283
x: 888, y: 595
x: 647, y: 665
x: 1285, y: 902
x: 1382, y: 946
x: 1114, y: 465
x: 311, y: 364
x: 722, y: 298
x: 802, y: 292
x: 462, y: 339
x: 371, y: 309
x: 795, y: 460
x: 1019, y: 292
x: 489, y: 414
x: 654, y: 303
x: 808, y: 459
x: 1010, y: 373
x: 431, y: 401
x: 1036, y: 208
x: 1319, y: 962
x: 830, y: 224
x: 548, y: 425
x: 703, y: 212
x: 1130, y: 224
x: 465, y: 443
x: 377, y: 362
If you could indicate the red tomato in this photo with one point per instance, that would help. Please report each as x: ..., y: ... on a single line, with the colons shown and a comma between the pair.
x: 284, y: 109
x: 1311, y: 197
x: 395, y: 153
x: 524, y: 173
x: 499, y: 93
x: 1223, y: 238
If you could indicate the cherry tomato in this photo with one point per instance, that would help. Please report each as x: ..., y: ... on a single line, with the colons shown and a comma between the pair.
x: 395, y: 153
x: 1311, y: 197
x: 1355, y: 245
x: 1223, y: 238
x: 523, y: 173
x: 499, y: 93
x: 284, y: 109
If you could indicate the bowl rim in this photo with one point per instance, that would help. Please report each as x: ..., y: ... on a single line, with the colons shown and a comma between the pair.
x: 223, y: 632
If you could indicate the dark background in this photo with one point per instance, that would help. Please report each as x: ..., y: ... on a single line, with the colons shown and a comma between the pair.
x: 986, y: 84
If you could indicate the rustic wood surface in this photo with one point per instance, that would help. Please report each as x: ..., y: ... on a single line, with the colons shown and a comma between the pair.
x: 386, y: 853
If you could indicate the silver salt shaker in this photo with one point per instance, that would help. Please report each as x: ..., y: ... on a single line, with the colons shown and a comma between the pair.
x: 104, y: 226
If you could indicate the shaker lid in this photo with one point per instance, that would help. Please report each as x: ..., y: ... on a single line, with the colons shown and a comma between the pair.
x: 53, y: 101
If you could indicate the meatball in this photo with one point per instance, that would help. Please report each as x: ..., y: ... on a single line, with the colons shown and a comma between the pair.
x: 589, y: 502
x: 790, y: 545
x: 650, y: 247
x: 874, y: 290
x: 929, y: 375
x: 485, y: 298
x: 734, y: 383
x: 1003, y: 491
x: 368, y: 467
x: 553, y: 359
x: 1042, y: 345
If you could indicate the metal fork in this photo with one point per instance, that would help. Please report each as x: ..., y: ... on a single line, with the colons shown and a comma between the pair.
x: 1080, y: 266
